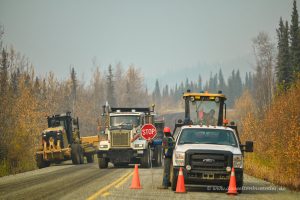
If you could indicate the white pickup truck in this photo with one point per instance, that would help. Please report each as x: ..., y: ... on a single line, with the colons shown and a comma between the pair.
x: 207, y: 155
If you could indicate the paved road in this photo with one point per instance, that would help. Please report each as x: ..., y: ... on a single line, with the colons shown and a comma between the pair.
x: 87, y: 181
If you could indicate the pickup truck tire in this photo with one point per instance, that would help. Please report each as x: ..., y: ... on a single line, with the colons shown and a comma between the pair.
x: 173, y: 178
x: 102, y: 162
x: 90, y: 158
x: 145, y: 160
x: 76, y: 154
x: 239, y: 185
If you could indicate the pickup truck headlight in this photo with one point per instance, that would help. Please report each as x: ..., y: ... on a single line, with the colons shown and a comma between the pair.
x: 138, y: 145
x: 237, y: 161
x: 179, y: 158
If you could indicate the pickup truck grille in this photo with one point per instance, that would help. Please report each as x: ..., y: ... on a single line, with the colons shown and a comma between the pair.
x: 120, y: 138
x: 208, y: 160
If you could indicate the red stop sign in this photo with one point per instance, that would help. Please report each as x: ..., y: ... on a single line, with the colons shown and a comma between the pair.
x: 148, y: 131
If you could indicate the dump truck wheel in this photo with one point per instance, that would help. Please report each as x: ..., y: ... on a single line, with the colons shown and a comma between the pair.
x: 90, y: 158
x: 159, y: 157
x: 75, y: 154
x: 145, y: 161
x: 157, y: 154
x: 102, y: 162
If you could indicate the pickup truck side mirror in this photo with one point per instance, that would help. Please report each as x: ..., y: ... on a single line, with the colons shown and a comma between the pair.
x: 249, y: 146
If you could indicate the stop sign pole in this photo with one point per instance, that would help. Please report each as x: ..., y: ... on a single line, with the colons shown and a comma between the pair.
x: 148, y: 131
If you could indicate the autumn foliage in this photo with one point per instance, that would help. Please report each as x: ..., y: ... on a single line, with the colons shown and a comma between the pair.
x: 276, y: 137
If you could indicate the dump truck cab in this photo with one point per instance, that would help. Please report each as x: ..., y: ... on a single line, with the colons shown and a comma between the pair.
x: 121, y: 143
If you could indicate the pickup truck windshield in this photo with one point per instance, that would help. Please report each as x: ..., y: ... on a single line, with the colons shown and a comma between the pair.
x: 207, y: 136
x: 125, y: 120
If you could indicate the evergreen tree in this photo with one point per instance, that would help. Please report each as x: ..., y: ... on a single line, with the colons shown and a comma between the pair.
x: 156, y: 93
x: 73, y: 89
x: 199, y: 86
x: 283, y: 69
x: 295, y: 39
x: 238, y: 85
x: 221, y: 82
x: 110, y: 88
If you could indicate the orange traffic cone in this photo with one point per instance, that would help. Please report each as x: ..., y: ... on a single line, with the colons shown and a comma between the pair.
x: 135, y: 184
x: 232, y: 184
x: 180, y: 187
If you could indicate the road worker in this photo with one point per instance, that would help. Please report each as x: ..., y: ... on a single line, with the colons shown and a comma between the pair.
x: 168, y: 144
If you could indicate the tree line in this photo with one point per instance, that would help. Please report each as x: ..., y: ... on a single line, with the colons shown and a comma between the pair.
x: 171, y: 97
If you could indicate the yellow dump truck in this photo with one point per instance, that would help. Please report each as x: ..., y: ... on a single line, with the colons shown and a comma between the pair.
x: 61, y: 141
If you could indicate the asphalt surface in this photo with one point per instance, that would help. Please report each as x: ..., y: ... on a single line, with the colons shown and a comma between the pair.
x: 87, y: 181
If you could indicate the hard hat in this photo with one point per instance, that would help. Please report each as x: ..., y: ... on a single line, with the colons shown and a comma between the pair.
x: 167, y: 130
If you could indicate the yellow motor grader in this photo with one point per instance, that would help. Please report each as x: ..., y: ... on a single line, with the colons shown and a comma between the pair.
x: 61, y: 141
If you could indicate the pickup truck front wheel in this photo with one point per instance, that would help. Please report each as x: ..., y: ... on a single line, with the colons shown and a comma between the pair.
x: 239, y: 185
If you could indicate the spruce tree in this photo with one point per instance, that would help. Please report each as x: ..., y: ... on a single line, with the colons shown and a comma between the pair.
x: 295, y: 39
x: 199, y: 86
x: 156, y: 93
x: 283, y: 68
x: 221, y: 82
x: 110, y: 87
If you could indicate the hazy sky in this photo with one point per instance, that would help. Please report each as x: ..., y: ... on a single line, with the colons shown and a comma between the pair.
x: 158, y: 36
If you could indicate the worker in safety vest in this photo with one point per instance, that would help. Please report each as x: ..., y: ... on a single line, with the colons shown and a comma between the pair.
x: 168, y: 144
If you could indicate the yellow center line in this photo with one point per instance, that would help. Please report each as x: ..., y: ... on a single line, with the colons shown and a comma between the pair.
x: 105, y: 194
x: 124, y: 180
x: 103, y: 190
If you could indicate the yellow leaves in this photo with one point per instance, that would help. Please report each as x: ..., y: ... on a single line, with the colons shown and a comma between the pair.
x: 276, y: 137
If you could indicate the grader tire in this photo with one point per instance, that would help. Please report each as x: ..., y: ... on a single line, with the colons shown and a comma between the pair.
x: 41, y: 163
x: 90, y: 158
x: 76, y: 154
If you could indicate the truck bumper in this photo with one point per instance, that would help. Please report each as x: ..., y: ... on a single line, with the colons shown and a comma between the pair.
x: 220, y: 178
x: 122, y: 155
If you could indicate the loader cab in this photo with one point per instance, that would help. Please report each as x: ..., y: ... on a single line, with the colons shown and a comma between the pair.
x: 67, y: 122
x: 204, y: 108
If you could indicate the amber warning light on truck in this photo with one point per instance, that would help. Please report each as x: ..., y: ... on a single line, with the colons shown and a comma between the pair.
x: 148, y: 131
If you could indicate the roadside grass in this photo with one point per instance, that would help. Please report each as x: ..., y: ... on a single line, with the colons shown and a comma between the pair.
x: 4, y: 168
x: 276, y: 137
